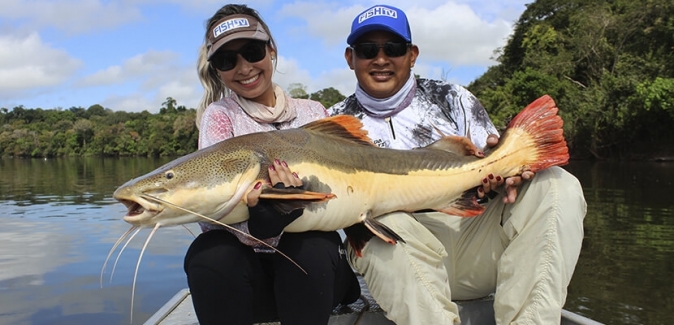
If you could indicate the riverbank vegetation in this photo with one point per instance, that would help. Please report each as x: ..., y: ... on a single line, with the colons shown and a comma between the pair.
x: 609, y: 65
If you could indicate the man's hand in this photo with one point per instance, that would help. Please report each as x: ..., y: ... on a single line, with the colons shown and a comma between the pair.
x: 492, y: 182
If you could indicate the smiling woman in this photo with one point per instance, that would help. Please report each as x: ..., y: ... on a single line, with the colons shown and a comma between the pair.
x: 236, y: 65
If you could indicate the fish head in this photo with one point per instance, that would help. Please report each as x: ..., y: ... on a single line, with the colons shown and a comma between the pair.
x: 211, y: 183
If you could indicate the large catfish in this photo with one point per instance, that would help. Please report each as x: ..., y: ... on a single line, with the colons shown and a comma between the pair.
x: 347, y: 180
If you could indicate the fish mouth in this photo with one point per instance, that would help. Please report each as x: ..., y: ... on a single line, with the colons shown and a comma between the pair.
x: 140, y: 210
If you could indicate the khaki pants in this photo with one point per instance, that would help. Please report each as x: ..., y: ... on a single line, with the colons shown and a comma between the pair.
x: 528, y: 262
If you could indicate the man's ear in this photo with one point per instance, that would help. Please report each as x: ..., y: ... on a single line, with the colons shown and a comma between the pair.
x: 414, y: 50
x: 348, y: 55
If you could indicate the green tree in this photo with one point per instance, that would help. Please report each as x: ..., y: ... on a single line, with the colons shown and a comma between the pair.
x: 95, y: 110
x: 298, y: 90
x: 169, y: 106
x: 600, y: 60
x: 84, y: 130
x: 328, y: 96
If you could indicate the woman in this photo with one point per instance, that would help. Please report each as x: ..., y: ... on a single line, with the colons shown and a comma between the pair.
x: 233, y: 279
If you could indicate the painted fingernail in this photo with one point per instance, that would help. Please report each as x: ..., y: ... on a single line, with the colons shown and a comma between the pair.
x: 276, y: 161
x: 491, y: 176
x: 479, y: 189
x: 284, y: 163
x: 295, y: 174
x: 484, y: 180
x: 498, y: 178
x: 271, y: 167
x: 258, y: 185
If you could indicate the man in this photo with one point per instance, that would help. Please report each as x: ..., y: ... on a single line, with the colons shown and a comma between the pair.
x: 523, y: 248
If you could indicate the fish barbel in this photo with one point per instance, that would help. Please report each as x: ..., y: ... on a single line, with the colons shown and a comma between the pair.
x: 347, y: 180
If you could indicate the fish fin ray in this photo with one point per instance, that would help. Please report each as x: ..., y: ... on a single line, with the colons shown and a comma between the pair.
x: 294, y: 194
x: 465, y: 206
x: 342, y: 126
x: 461, y: 146
x: 291, y: 199
x: 541, y: 121
x: 382, y: 231
x: 360, y: 233
x: 357, y: 235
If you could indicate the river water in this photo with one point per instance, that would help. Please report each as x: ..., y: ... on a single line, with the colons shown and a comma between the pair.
x: 58, y: 222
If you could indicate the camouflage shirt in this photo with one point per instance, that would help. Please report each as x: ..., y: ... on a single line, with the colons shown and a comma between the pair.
x: 438, y: 108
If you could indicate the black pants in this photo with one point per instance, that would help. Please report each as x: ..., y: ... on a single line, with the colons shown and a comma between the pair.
x: 231, y: 284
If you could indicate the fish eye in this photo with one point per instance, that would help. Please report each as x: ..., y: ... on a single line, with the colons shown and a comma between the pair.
x: 169, y: 175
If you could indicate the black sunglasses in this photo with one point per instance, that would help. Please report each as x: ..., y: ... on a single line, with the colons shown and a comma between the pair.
x: 370, y: 50
x: 253, y: 51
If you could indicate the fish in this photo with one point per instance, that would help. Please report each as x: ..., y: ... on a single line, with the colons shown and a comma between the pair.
x: 347, y: 180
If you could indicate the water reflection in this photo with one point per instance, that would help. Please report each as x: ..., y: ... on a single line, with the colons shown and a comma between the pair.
x: 628, y: 252
x: 58, y: 222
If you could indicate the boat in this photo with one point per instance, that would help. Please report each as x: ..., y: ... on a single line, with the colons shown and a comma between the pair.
x: 365, y: 311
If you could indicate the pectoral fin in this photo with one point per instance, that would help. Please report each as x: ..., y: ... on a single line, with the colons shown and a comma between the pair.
x: 290, y: 199
x: 382, y: 231
x: 464, y: 206
x: 294, y: 194
x: 359, y: 234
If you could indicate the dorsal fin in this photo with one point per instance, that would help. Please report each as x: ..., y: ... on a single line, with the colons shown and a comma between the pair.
x: 461, y: 146
x: 341, y: 126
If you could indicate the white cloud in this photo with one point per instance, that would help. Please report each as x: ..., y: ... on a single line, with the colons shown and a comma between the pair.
x: 73, y: 16
x: 456, y: 34
x: 139, y: 66
x: 289, y: 71
x: 156, y: 76
x: 38, y: 68
x: 184, y: 87
x: 28, y: 65
x: 449, y: 34
x: 343, y: 80
x: 135, y: 102
x: 327, y: 22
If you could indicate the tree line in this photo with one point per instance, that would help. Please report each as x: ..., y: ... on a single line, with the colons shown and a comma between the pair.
x: 99, y: 131
x: 609, y: 65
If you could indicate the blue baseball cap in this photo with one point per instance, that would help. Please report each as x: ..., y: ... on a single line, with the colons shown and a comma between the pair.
x: 380, y: 17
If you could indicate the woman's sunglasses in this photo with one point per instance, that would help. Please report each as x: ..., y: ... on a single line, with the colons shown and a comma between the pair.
x: 253, y: 51
x: 370, y: 50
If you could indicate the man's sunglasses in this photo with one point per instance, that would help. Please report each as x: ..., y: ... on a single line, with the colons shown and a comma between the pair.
x: 253, y: 51
x: 370, y: 50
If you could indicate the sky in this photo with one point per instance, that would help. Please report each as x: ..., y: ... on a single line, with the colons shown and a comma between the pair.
x: 131, y: 55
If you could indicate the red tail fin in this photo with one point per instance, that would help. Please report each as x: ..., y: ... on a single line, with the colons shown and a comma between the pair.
x: 540, y: 120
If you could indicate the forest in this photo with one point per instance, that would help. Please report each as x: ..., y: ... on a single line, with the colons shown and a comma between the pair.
x: 609, y: 65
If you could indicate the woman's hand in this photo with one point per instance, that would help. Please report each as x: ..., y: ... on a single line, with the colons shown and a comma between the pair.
x: 279, y: 173
x: 491, y: 182
x: 264, y: 220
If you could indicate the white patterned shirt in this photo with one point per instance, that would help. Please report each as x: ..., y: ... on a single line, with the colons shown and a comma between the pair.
x: 436, y: 106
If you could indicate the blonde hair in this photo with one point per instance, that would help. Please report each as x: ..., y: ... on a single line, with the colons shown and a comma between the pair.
x: 214, y: 88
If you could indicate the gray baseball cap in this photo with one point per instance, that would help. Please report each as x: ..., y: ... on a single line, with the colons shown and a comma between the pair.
x: 234, y: 27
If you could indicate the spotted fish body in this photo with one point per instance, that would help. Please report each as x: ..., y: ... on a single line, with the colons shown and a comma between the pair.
x: 350, y: 180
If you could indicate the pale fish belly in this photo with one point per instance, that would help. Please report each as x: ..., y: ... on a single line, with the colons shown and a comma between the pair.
x: 355, y: 195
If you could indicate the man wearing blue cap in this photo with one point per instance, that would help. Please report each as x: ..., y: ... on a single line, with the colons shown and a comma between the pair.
x: 523, y: 248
